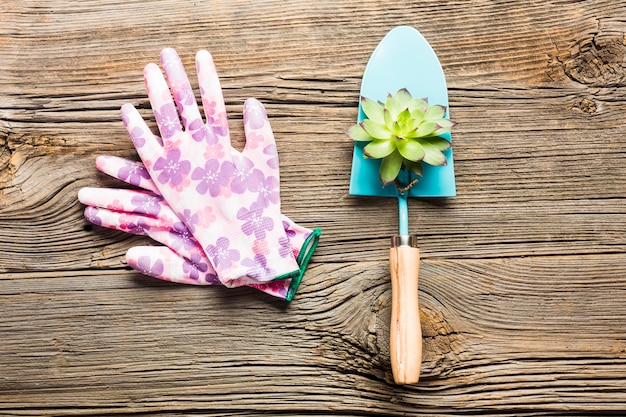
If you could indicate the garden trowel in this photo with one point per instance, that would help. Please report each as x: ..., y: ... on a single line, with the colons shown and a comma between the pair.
x: 403, y: 60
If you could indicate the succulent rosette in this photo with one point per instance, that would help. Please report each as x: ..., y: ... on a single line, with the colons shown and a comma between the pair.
x: 404, y: 132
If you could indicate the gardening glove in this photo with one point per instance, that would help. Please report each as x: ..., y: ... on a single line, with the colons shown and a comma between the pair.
x: 182, y: 259
x: 229, y: 200
x: 146, y: 213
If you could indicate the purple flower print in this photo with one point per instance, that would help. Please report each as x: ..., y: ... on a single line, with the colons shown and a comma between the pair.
x: 272, y: 152
x: 145, y: 266
x: 213, y: 176
x: 196, y: 124
x: 136, y: 135
x: 185, y: 96
x: 284, y: 249
x: 258, y: 268
x: 189, y: 219
x: 245, y: 177
x: 181, y: 237
x: 217, y: 122
x: 209, y: 106
x: 141, y: 227
x: 219, y: 130
x: 221, y: 255
x: 268, y: 190
x: 212, y: 279
x: 167, y: 119
x: 133, y: 172
x: 202, y: 132
x: 194, y: 266
x: 255, y: 114
x: 254, y: 221
x: 172, y: 169
x: 288, y: 230
x: 146, y: 204
x: 91, y: 214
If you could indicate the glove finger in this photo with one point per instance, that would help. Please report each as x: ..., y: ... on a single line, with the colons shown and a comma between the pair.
x: 131, y: 201
x: 175, y: 237
x: 163, y: 263
x: 211, y: 92
x: 181, y: 89
x: 162, y: 102
x: 261, y: 151
x: 163, y: 164
x: 173, y: 234
x: 126, y: 222
x: 178, y: 238
x: 148, y: 146
x: 131, y: 172
x: 260, y: 143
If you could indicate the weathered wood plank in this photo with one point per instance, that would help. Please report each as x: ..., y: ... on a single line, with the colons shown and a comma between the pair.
x: 523, y: 273
x: 479, y: 223
x: 121, y: 340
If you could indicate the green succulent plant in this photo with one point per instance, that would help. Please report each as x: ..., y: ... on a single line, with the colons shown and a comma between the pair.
x: 404, y: 132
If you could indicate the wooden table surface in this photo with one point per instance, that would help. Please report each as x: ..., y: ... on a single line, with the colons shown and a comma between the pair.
x: 523, y: 274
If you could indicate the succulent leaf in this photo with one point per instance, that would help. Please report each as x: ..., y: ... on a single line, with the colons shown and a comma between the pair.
x: 404, y: 97
x: 379, y: 148
x: 411, y: 149
x: 389, y: 121
x: 390, y: 167
x: 357, y: 133
x: 426, y: 128
x: 404, y: 117
x: 438, y: 142
x: 417, y: 104
x: 376, y: 130
x: 411, y: 124
x: 394, y: 106
x: 417, y: 115
x: 435, y: 112
x: 443, y: 126
x: 411, y: 134
x: 372, y: 109
x: 414, y: 167
x: 433, y: 156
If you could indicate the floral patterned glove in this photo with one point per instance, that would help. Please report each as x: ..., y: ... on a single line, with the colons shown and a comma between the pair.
x: 182, y: 260
x: 229, y: 200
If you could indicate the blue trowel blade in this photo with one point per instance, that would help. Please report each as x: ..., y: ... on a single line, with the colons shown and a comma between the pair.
x: 403, y: 59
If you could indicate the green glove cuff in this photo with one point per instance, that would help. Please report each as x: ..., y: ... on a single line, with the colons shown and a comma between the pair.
x: 306, y: 252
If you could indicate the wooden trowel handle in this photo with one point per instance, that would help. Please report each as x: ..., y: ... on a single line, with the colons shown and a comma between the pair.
x: 405, y: 344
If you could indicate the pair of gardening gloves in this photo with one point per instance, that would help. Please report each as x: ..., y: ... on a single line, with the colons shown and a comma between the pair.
x: 215, y: 209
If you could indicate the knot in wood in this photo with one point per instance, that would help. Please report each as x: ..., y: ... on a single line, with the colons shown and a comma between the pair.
x: 586, y: 105
x: 598, y: 62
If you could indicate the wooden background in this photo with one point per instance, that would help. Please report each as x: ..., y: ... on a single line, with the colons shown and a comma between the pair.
x: 523, y: 282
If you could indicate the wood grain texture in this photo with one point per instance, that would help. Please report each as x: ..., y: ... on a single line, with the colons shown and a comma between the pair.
x: 523, y: 274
